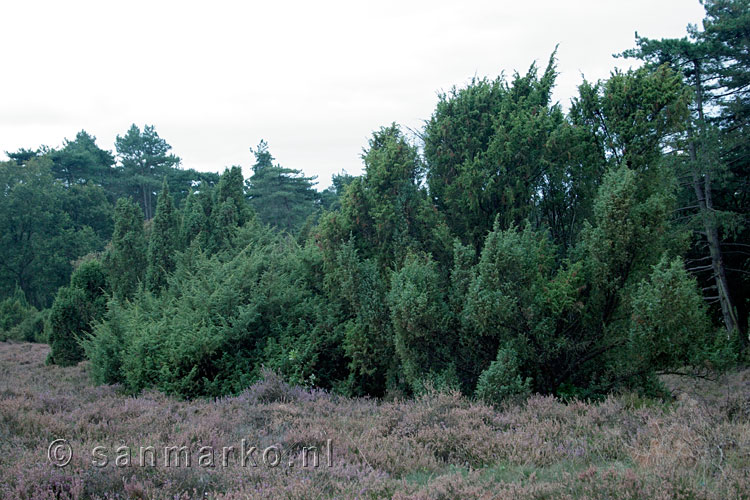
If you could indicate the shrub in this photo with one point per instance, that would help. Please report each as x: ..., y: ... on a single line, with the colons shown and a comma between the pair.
x: 67, y: 322
x: 18, y: 318
x: 669, y: 325
x: 425, y: 337
x: 31, y: 328
x: 502, y: 379
x: 75, y: 309
x: 219, y: 319
x: 104, y: 347
x: 271, y: 388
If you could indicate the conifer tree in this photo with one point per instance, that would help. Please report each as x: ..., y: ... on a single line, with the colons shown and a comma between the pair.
x: 228, y: 209
x: 282, y: 197
x: 163, y: 242
x: 387, y: 210
x: 126, y: 260
x: 503, y: 148
x: 81, y: 161
x: 144, y: 157
x: 382, y: 297
x: 424, y: 332
x: 714, y: 63
x: 75, y: 309
x: 231, y: 189
x: 194, y: 220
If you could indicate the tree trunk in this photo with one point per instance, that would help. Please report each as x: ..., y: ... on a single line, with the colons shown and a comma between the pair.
x: 703, y: 193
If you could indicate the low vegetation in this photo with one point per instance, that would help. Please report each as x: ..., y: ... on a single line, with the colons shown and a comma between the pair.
x: 440, y: 445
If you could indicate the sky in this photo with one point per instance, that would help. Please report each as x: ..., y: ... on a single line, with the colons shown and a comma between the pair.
x: 313, y: 79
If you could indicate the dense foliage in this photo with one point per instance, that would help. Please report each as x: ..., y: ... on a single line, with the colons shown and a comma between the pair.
x: 74, y: 311
x: 517, y: 248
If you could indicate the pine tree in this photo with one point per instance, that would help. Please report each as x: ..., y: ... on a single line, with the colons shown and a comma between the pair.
x: 282, y: 197
x: 81, y: 161
x: 144, y: 158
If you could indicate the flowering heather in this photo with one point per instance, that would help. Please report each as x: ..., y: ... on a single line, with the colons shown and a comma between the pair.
x: 439, y: 446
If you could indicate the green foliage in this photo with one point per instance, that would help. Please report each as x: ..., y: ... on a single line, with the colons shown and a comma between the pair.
x: 183, y: 181
x: 501, y: 380
x: 13, y: 310
x: 425, y: 336
x: 74, y: 312
x: 81, y: 161
x: 231, y: 190
x: 358, y: 291
x: 105, y: 346
x: 226, y: 211
x: 627, y: 236
x: 387, y: 211
x: 32, y: 328
x: 38, y: 239
x: 92, y: 279
x: 57, y: 205
x: 282, y: 197
x: 330, y: 198
x: 497, y: 149
x: 19, y: 320
x: 384, y: 216
x: 501, y: 303
x: 76, y: 308
x: 126, y: 260
x: 462, y: 274
x: 87, y: 206
x: 669, y: 326
x: 163, y: 241
x: 194, y: 225
x: 457, y: 135
x: 544, y: 257
x: 67, y: 321
x: 714, y: 63
x: 217, y: 322
x: 144, y: 158
x: 633, y: 113
x: 570, y: 324
x: 629, y: 230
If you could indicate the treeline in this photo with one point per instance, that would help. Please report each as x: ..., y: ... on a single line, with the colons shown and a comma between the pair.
x: 513, y: 248
x: 58, y: 204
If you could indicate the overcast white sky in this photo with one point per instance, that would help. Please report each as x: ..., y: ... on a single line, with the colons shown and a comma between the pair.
x: 313, y: 79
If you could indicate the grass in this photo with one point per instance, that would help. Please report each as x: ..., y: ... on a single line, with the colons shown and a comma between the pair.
x: 439, y: 446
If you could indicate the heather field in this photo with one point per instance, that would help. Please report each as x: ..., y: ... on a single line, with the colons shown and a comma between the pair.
x: 440, y: 446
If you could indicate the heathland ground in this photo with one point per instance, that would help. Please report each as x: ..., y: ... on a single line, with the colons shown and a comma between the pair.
x: 437, y: 446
